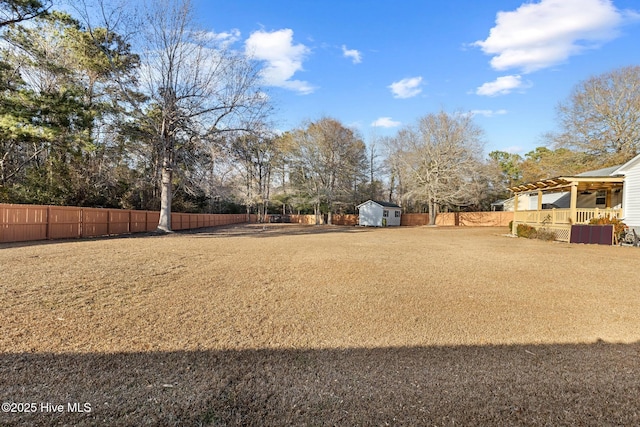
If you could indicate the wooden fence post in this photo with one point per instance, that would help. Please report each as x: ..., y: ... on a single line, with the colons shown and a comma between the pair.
x: 48, y: 227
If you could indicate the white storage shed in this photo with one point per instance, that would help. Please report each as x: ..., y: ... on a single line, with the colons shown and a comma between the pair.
x: 373, y: 213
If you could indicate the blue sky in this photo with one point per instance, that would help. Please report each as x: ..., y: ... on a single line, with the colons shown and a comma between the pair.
x: 378, y: 65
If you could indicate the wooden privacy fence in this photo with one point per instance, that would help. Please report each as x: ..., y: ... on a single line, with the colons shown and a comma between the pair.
x: 470, y: 219
x: 20, y: 223
x: 336, y: 219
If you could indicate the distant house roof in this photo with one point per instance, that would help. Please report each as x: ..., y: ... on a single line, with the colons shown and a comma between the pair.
x: 600, y: 172
x: 503, y: 202
x: 383, y: 204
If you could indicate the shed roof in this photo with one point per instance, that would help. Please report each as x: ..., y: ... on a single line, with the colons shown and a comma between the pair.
x: 383, y: 204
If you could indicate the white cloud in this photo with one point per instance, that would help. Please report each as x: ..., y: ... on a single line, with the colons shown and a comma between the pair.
x: 225, y: 37
x: 514, y: 149
x: 355, y: 55
x: 502, y: 86
x: 385, y: 122
x: 488, y: 113
x: 283, y: 58
x: 545, y: 33
x: 406, y: 88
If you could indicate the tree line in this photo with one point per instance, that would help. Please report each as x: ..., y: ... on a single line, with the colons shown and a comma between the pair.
x: 109, y: 105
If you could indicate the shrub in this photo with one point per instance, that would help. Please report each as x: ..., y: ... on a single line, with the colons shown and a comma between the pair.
x: 511, y: 226
x: 530, y: 232
x: 619, y: 227
x: 524, y: 230
x: 545, y: 234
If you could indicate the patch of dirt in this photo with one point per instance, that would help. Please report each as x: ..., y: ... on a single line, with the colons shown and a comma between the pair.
x: 286, y: 324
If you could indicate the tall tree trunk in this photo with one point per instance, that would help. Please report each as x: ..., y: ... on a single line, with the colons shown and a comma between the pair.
x: 433, y: 212
x: 166, y: 196
x: 166, y: 193
x: 391, y: 186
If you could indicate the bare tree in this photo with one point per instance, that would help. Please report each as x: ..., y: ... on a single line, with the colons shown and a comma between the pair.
x: 601, y: 117
x: 306, y: 174
x: 327, y: 157
x: 375, y: 169
x: 255, y: 155
x: 201, y: 87
x: 439, y: 160
x: 196, y: 86
x: 281, y: 165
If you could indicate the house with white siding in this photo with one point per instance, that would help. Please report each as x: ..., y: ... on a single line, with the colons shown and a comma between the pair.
x: 558, y: 203
x: 631, y: 192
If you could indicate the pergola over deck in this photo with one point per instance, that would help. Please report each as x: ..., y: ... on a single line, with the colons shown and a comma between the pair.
x: 560, y: 220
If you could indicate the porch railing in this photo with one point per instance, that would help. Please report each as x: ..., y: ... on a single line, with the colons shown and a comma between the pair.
x: 559, y: 220
x: 563, y: 216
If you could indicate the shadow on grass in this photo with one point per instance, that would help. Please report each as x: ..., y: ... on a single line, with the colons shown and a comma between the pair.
x: 589, y: 384
x: 233, y: 230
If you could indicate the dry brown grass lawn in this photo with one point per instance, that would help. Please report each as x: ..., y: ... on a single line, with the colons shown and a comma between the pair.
x: 292, y: 325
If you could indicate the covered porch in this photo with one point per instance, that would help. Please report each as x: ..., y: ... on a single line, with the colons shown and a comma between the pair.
x: 558, y: 203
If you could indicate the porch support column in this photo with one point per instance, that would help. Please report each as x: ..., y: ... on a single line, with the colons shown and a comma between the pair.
x: 608, y: 199
x: 515, y: 213
x: 539, y: 200
x: 573, y: 207
x: 539, y: 214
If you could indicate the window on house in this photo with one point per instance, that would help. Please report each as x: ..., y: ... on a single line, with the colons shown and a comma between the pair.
x: 601, y: 197
x: 385, y: 213
x: 397, y: 214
